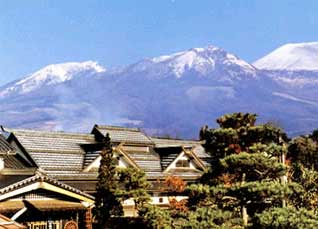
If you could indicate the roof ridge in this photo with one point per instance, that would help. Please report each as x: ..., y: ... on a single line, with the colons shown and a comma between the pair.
x: 175, y: 139
x: 61, y: 133
x: 135, y: 129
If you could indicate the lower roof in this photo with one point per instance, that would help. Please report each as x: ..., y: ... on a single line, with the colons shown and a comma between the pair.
x: 7, y: 180
x: 42, y: 178
x: 41, y: 205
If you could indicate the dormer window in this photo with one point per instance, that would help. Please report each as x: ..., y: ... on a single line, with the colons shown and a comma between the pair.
x: 183, y: 163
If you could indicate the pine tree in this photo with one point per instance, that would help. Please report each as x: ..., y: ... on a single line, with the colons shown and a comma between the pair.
x: 303, y: 159
x: 246, y: 166
x: 304, y: 150
x: 247, y: 183
x: 134, y: 185
x: 286, y: 218
x: 107, y: 203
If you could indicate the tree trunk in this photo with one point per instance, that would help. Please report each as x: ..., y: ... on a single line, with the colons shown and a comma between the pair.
x: 244, y: 209
x: 284, y: 177
x: 244, y: 216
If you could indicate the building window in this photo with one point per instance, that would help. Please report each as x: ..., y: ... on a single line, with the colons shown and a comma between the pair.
x: 44, y: 225
x: 183, y: 163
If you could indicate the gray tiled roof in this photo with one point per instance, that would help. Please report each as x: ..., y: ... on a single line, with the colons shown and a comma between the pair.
x: 53, y: 141
x: 55, y: 151
x: 12, y: 162
x: 9, y: 156
x: 149, y: 162
x: 6, y: 180
x: 62, y: 156
x: 5, y: 147
x: 122, y: 134
x: 58, y: 161
x: 199, y: 151
x: 165, y: 142
x: 73, y: 175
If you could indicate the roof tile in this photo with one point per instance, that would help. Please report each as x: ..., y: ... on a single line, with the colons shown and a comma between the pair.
x: 121, y: 134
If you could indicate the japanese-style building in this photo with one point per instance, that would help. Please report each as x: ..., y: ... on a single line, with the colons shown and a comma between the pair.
x: 48, y: 179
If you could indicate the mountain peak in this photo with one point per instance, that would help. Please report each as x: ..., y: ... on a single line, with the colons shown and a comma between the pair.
x: 64, y: 71
x: 201, y: 60
x: 52, y: 74
x: 292, y: 56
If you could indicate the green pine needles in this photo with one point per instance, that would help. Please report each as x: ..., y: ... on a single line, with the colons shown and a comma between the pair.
x: 107, y: 202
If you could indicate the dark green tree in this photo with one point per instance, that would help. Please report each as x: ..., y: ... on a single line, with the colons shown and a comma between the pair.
x: 134, y: 185
x: 156, y: 217
x: 304, y: 150
x: 107, y: 203
x: 314, y: 135
x: 286, y: 218
x: 211, y: 218
x: 247, y: 166
x: 303, y: 159
x: 308, y: 180
x: 257, y: 179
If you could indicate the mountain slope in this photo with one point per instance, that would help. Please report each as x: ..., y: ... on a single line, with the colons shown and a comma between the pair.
x: 51, y: 75
x: 298, y: 56
x: 174, y: 94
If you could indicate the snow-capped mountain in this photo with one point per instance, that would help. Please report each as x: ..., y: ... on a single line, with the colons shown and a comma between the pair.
x: 298, y: 56
x: 50, y: 75
x: 202, y: 61
x: 173, y: 94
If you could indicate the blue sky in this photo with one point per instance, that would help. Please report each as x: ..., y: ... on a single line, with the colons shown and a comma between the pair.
x: 36, y: 33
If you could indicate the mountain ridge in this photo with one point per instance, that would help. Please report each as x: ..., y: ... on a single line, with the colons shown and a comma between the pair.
x: 50, y: 74
x: 172, y: 94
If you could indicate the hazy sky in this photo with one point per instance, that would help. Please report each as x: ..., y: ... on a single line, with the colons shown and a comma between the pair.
x: 35, y: 33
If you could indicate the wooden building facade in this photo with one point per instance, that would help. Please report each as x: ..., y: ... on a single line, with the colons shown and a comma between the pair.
x: 60, y: 169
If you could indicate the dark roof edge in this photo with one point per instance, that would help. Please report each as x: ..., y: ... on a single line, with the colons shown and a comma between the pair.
x: 28, y: 156
x: 133, y: 129
x: 40, y: 177
x: 177, y: 139
x: 61, y: 133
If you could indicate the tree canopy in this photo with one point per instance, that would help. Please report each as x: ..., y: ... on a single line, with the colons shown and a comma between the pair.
x: 107, y: 202
x: 247, y: 166
x: 257, y: 178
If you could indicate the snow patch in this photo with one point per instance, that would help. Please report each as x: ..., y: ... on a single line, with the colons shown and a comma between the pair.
x: 293, y: 98
x: 298, y: 56
x: 296, y: 82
